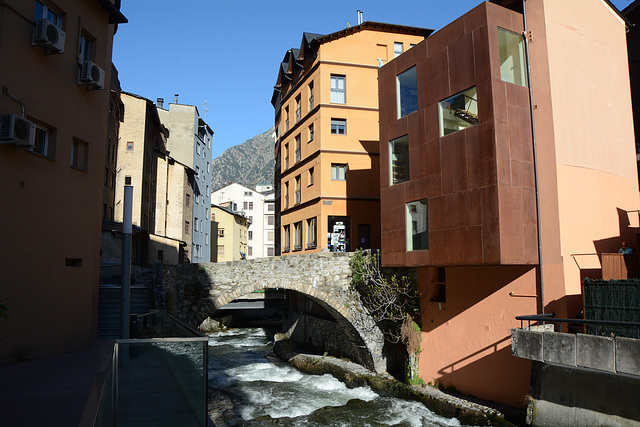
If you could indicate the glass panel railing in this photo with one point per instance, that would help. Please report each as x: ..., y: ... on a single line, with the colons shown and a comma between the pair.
x: 160, y: 379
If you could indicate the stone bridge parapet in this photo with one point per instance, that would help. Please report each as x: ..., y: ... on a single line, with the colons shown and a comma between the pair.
x: 194, y: 292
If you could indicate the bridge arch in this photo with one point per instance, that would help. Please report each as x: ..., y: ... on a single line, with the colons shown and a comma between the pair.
x: 199, y: 290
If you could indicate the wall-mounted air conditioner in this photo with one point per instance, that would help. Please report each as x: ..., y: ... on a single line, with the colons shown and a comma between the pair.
x: 92, y: 75
x: 17, y: 130
x: 47, y: 34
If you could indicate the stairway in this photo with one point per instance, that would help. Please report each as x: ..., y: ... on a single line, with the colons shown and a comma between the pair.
x: 109, y: 308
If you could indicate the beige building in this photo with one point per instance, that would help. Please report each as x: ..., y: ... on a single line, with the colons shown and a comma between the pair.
x: 231, y: 238
x: 174, y: 210
x: 56, y: 63
x: 326, y: 116
x: 116, y: 115
x: 190, y: 143
x: 142, y: 139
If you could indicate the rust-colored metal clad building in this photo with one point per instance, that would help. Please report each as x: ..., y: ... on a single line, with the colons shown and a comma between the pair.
x: 460, y: 198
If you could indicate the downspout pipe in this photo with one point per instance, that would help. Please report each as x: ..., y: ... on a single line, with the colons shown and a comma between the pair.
x: 535, y: 153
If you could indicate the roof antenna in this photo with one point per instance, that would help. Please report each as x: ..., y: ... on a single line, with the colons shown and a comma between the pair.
x: 359, y: 17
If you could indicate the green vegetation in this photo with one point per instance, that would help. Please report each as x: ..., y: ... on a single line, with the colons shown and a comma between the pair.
x: 393, y: 303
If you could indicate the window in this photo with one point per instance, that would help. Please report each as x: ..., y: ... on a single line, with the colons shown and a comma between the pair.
x: 338, y: 89
x: 298, y: 149
x: 186, y: 227
x: 270, y: 236
x: 298, y: 110
x: 250, y: 250
x: 250, y: 207
x: 129, y: 145
x: 187, y: 200
x: 197, y: 251
x: 250, y: 235
x: 297, y: 189
x: 271, y: 220
x: 127, y: 180
x: 206, y: 239
x: 286, y: 114
x: 79, y: 154
x: 312, y: 232
x: 459, y: 112
x: 106, y: 177
x: 298, y: 235
x: 43, y: 11
x: 512, y: 65
x: 208, y: 168
x: 286, y: 156
x: 286, y: 195
x: 417, y: 225
x: 397, y: 49
x: 195, y: 225
x: 338, y: 127
x: 197, y: 148
x: 310, y: 96
x: 250, y: 219
x: 311, y: 132
x: 310, y: 176
x: 338, y: 172
x: 245, y: 205
x: 220, y: 232
x: 270, y: 207
x: 220, y: 250
x: 86, y: 48
x: 399, y: 160
x: 285, y: 239
x: 270, y: 252
x: 248, y: 193
x: 407, y: 92
x: 45, y: 142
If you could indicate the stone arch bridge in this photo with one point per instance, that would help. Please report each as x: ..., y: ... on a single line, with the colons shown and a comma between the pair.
x: 194, y: 292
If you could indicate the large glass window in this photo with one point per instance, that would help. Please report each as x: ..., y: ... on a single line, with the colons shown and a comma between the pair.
x: 399, y: 160
x: 459, y: 112
x: 417, y: 225
x: 512, y: 61
x: 407, y: 92
x: 338, y: 89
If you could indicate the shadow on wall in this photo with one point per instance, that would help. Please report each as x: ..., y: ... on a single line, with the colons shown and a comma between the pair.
x: 363, y: 203
x: 466, y: 287
x: 492, y: 370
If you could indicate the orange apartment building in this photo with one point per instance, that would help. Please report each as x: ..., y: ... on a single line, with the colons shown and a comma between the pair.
x: 54, y: 105
x: 497, y: 214
x: 326, y: 148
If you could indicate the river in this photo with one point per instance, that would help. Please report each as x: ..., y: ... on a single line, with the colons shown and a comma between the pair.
x: 249, y: 387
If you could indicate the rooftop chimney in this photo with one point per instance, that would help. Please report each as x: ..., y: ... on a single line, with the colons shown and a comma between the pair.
x: 360, y: 17
x: 175, y: 98
x: 160, y: 102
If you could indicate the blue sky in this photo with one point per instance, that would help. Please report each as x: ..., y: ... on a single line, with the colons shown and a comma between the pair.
x: 228, y: 52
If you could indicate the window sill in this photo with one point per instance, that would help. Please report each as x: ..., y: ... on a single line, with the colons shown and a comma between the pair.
x: 312, y: 246
x: 297, y: 248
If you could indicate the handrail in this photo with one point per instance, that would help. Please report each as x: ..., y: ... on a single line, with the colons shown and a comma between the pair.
x: 547, y: 317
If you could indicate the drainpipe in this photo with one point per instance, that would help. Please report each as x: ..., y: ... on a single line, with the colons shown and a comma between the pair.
x: 535, y: 153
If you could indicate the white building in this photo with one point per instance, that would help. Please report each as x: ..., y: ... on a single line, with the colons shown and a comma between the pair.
x: 258, y: 206
x: 189, y: 142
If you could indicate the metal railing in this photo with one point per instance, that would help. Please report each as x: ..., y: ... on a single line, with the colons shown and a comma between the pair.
x: 557, y: 322
x: 159, y: 378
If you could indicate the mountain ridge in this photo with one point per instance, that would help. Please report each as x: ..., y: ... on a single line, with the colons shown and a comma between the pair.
x: 247, y: 163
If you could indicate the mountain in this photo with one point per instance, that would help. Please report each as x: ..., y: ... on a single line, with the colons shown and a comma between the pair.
x: 247, y: 163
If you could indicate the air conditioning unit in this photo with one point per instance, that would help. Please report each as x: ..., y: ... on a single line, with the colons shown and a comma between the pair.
x: 47, y: 34
x: 92, y: 75
x: 17, y: 130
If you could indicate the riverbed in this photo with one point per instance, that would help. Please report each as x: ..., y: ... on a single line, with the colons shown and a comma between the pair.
x: 248, y: 387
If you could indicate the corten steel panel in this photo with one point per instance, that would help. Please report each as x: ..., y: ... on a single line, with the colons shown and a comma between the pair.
x: 470, y: 221
x: 461, y: 64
